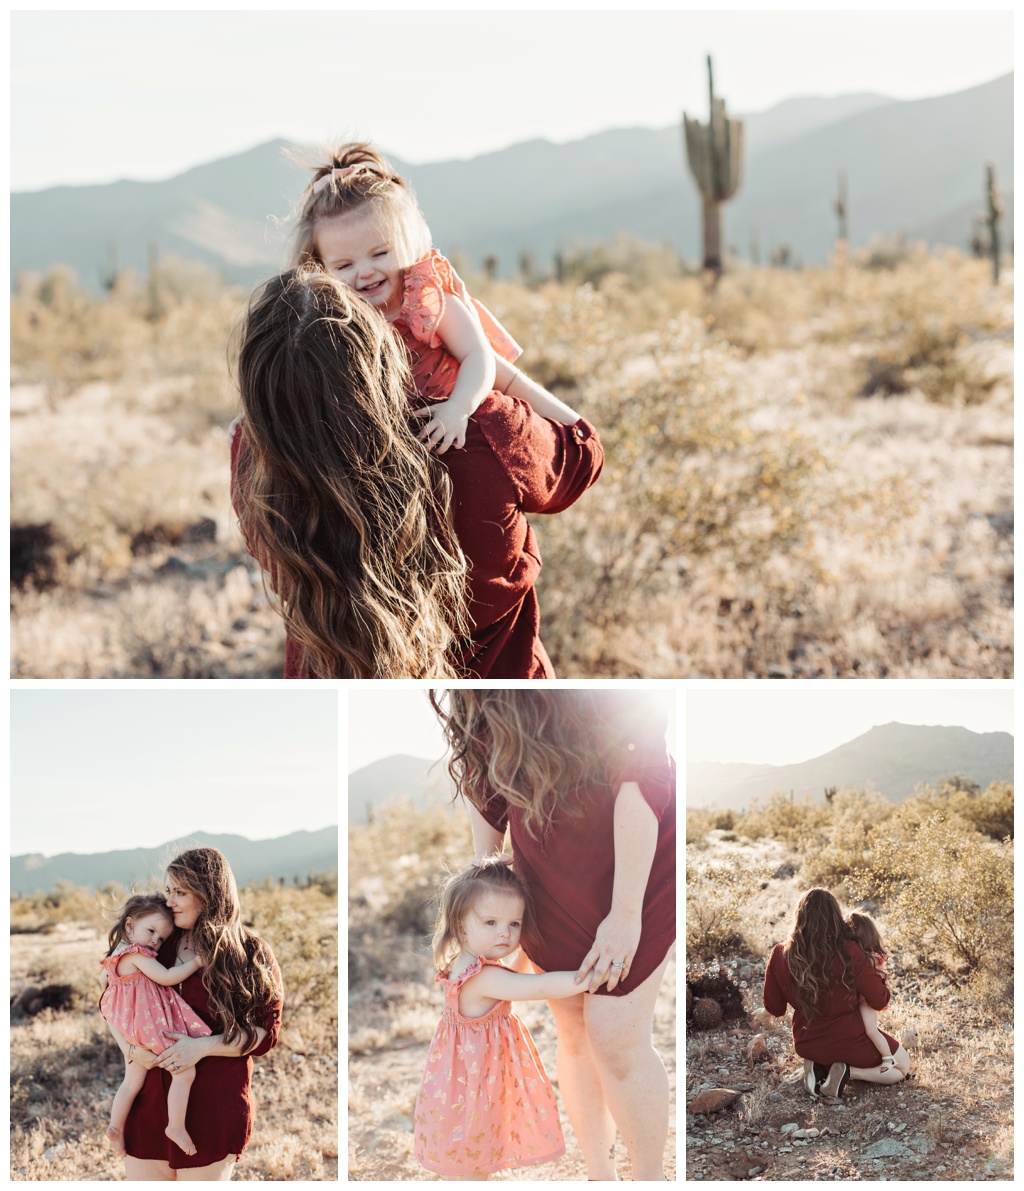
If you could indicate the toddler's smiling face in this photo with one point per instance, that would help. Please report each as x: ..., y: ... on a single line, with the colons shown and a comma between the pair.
x: 359, y: 251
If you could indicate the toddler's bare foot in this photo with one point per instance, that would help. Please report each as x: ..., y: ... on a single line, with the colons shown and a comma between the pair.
x: 181, y: 1139
x: 115, y: 1137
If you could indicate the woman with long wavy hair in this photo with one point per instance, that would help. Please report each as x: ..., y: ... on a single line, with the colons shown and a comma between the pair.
x: 238, y: 993
x: 824, y: 974
x: 582, y: 782
x: 387, y: 561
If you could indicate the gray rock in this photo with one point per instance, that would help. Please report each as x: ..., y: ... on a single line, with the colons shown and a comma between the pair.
x: 806, y: 1133
x: 790, y: 1128
x: 56, y: 1151
x: 888, y: 1147
x: 922, y: 1143
x: 754, y: 1171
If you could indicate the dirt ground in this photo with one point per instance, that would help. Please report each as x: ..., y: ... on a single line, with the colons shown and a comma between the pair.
x: 383, y: 1084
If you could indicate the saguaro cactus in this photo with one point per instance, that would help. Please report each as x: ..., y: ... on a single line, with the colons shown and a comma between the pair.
x: 714, y: 152
x: 841, y: 206
x: 993, y: 218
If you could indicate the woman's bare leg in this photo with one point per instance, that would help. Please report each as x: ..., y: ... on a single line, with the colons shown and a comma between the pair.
x: 147, y: 1170
x: 892, y: 1075
x: 218, y: 1172
x: 580, y: 1084
x: 633, y: 1076
x: 124, y: 1098
x: 177, y: 1106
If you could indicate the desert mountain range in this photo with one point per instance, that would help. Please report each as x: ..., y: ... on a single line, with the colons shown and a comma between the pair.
x: 295, y: 855
x: 893, y: 758
x: 915, y: 167
x: 422, y: 782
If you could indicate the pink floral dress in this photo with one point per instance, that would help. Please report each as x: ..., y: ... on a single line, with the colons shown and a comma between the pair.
x: 485, y: 1103
x: 141, y: 1009
x: 428, y: 285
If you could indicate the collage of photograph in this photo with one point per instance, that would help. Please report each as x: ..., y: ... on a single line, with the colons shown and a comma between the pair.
x: 430, y: 468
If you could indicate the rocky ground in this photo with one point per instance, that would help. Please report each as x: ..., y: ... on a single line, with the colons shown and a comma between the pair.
x: 952, y: 1122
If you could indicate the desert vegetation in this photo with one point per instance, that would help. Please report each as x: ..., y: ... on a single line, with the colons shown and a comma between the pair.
x: 65, y: 1067
x: 936, y: 872
x: 808, y: 472
x: 395, y: 865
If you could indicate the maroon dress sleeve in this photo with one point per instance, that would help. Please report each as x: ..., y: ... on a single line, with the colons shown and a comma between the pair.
x: 775, y: 999
x: 638, y: 751
x: 550, y: 465
x: 871, y: 984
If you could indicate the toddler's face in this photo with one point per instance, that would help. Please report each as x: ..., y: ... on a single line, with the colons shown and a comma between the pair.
x: 492, y: 927
x: 149, y: 930
x: 359, y: 251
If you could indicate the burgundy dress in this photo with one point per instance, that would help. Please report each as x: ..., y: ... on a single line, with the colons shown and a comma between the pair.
x: 570, y: 869
x: 220, y: 1108
x: 838, y: 1035
x: 513, y: 463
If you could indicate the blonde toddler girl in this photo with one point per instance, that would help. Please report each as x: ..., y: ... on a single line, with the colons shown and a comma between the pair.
x: 485, y: 1103
x: 361, y: 222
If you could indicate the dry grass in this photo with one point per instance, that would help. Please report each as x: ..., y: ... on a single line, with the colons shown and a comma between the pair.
x: 65, y: 1067
x: 760, y: 513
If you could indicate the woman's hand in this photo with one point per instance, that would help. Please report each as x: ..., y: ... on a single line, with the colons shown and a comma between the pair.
x: 616, y: 941
x: 184, y: 1052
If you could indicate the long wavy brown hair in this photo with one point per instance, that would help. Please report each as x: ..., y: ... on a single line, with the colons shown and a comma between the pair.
x: 370, y: 184
x: 816, y: 942
x: 459, y: 895
x: 536, y: 747
x: 345, y: 509
x: 238, y: 972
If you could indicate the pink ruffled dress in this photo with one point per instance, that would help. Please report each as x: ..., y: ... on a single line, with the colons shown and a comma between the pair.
x: 485, y: 1103
x: 141, y: 1009
x: 429, y: 283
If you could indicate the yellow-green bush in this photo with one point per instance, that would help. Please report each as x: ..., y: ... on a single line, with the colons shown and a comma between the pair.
x: 715, y: 897
x: 700, y: 822
x: 944, y: 888
x: 794, y: 822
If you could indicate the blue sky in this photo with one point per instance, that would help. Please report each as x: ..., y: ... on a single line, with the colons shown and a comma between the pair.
x: 99, y: 770
x: 102, y: 95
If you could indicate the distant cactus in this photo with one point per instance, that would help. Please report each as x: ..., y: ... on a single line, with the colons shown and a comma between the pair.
x: 714, y: 152
x: 841, y: 206
x: 994, y: 218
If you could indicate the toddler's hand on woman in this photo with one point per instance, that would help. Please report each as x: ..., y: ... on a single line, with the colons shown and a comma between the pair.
x: 445, y: 428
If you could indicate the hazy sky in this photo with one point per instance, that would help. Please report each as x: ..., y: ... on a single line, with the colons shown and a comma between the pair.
x: 782, y: 723
x: 98, y: 96
x: 384, y: 721
x: 98, y: 770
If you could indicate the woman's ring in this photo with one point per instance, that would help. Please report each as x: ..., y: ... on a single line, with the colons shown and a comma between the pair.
x: 622, y: 965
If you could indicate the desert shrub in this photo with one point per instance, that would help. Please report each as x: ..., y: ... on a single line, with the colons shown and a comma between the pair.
x: 783, y: 818
x: 700, y: 822
x: 715, y: 898
x: 989, y: 811
x: 946, y: 884
x: 846, y: 842
x: 396, y: 864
